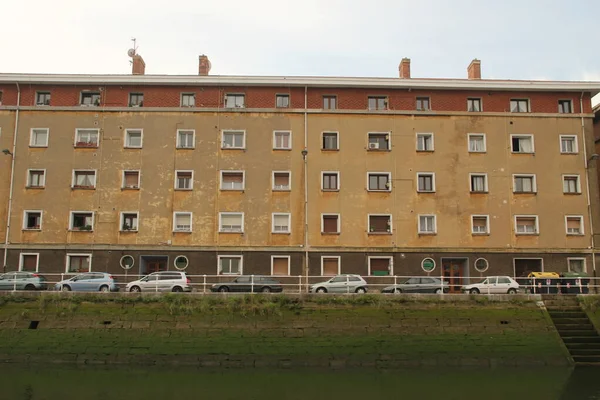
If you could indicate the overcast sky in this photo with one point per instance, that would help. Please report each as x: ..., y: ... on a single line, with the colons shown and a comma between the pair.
x: 515, y: 39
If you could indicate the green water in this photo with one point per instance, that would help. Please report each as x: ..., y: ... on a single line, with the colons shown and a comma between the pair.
x: 90, y: 383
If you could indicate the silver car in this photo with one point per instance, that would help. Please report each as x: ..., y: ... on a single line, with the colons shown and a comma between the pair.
x: 493, y: 285
x: 163, y: 281
x: 23, y: 281
x: 346, y: 283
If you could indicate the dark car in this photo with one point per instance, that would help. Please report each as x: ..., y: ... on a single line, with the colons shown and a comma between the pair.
x: 249, y: 284
x: 423, y: 284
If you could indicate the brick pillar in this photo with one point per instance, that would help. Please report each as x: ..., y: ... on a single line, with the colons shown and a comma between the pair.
x: 139, y: 66
x: 474, y: 70
x: 404, y: 68
x: 204, y: 65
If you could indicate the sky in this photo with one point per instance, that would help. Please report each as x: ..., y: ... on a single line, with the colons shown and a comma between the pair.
x: 514, y: 39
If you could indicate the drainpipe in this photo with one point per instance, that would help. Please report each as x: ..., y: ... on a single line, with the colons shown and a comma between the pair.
x: 587, y: 187
x: 12, y: 177
x: 304, y: 154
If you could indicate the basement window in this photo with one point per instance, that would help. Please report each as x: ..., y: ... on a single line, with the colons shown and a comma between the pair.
x: 77, y: 263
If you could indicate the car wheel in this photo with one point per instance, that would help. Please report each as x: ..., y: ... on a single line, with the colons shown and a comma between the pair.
x: 266, y: 289
x: 512, y: 291
x: 474, y: 291
x: 65, y: 288
x: 29, y: 287
x: 438, y: 291
x: 104, y: 289
x: 321, y: 290
x: 223, y: 289
x: 135, y: 289
x: 397, y: 290
x: 177, y: 289
x: 361, y: 290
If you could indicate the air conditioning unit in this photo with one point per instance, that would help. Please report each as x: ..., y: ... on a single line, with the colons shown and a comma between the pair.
x: 373, y: 146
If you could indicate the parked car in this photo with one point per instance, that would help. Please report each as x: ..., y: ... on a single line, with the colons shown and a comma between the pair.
x: 163, y: 281
x: 22, y: 280
x: 249, y: 284
x: 493, y: 285
x: 423, y: 284
x: 88, y: 282
x: 346, y: 283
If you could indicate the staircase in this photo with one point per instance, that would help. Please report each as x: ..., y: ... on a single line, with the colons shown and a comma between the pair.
x: 575, y: 329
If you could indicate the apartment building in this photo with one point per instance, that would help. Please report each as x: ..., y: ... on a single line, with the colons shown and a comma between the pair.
x: 297, y: 176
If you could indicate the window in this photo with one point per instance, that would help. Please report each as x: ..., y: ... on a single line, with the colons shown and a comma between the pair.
x: 574, y: 224
x: 136, y: 99
x: 186, y: 138
x: 32, y: 220
x: 230, y: 265
x: 235, y: 100
x: 330, y: 141
x: 131, y: 179
x: 423, y: 104
x: 576, y: 265
x: 233, y: 140
x: 380, y: 223
x: 282, y: 140
x: 188, y: 100
x: 425, y: 182
x: 330, y: 223
x: 522, y: 143
x: 29, y: 262
x: 519, y: 105
x: 477, y: 143
x: 231, y: 222
x: 381, y: 266
x: 77, y: 263
x: 526, y: 224
x: 378, y: 103
x: 36, y: 178
x: 281, y: 223
x: 42, y: 99
x: 571, y: 184
x: 379, y: 181
x: 480, y: 224
x: 568, y: 144
x: 84, y: 179
x: 281, y: 180
x: 424, y: 141
x: 86, y: 138
x: 81, y: 221
x: 280, y: 265
x: 232, y: 180
x: 39, y: 137
x: 1, y: 97
x: 133, y: 138
x: 329, y: 102
x: 478, y: 183
x: 330, y: 181
x: 473, y: 105
x: 282, y: 100
x: 184, y: 180
x: 565, y: 106
x: 129, y: 221
x: 427, y: 224
x: 330, y: 265
x: 379, y: 141
x: 482, y: 265
x: 90, y: 99
x: 182, y: 222
x: 524, y: 184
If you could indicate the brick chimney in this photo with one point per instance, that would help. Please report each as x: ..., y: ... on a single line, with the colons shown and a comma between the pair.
x: 474, y: 70
x: 204, y: 65
x: 404, y: 68
x: 138, y: 65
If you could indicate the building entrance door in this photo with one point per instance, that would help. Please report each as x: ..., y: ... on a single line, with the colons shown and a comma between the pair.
x: 453, y: 272
x: 151, y: 264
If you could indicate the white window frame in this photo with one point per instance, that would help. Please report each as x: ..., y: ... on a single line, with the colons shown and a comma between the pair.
x: 183, y: 94
x: 221, y: 214
x: 177, y: 171
x: 78, y: 130
x: 433, y: 188
x: 485, y: 183
x: 126, y: 133
x: 71, y: 219
x: 139, y: 173
x: 275, y: 140
x: 422, y: 232
x: 25, y: 212
x: 389, y: 182
x: 523, y: 136
x: 425, y: 135
x: 289, y: 225
x: 74, y: 180
x: 487, y: 224
x: 339, y: 264
x: 68, y: 258
x: 339, y: 223
x: 29, y: 178
x: 323, y: 173
x: 273, y: 257
x: 46, y: 130
x: 390, y: 225
x: 569, y: 259
x: 578, y: 188
x: 469, y: 135
x: 289, y: 181
x: 178, y: 143
x: 233, y: 131
x: 175, y: 214
x: 575, y: 144
x: 122, y: 220
x: 581, y: 227
x: 37, y: 261
x: 390, y: 258
x: 537, y: 225
x: 226, y: 171
x: 388, y: 137
x: 220, y: 269
x: 533, y: 183
x: 337, y: 140
x: 227, y: 95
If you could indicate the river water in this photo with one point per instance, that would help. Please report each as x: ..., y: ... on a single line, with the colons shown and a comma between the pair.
x: 148, y: 383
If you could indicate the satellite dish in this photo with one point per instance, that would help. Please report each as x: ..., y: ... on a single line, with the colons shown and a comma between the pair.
x: 131, y: 52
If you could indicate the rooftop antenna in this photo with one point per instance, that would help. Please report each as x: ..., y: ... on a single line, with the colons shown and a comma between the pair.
x: 133, y: 51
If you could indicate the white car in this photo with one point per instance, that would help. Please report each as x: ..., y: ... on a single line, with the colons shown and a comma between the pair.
x: 493, y: 285
x: 341, y: 284
x: 163, y: 281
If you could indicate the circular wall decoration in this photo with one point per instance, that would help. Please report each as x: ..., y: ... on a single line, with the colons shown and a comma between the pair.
x: 481, y: 265
x: 127, y: 262
x: 181, y: 262
x: 428, y: 264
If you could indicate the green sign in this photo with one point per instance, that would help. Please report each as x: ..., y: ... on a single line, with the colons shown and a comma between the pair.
x: 428, y: 265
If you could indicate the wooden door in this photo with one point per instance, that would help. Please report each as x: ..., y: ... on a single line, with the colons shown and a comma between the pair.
x: 452, y: 270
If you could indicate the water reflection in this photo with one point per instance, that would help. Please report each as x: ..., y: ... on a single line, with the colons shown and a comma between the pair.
x: 66, y: 383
